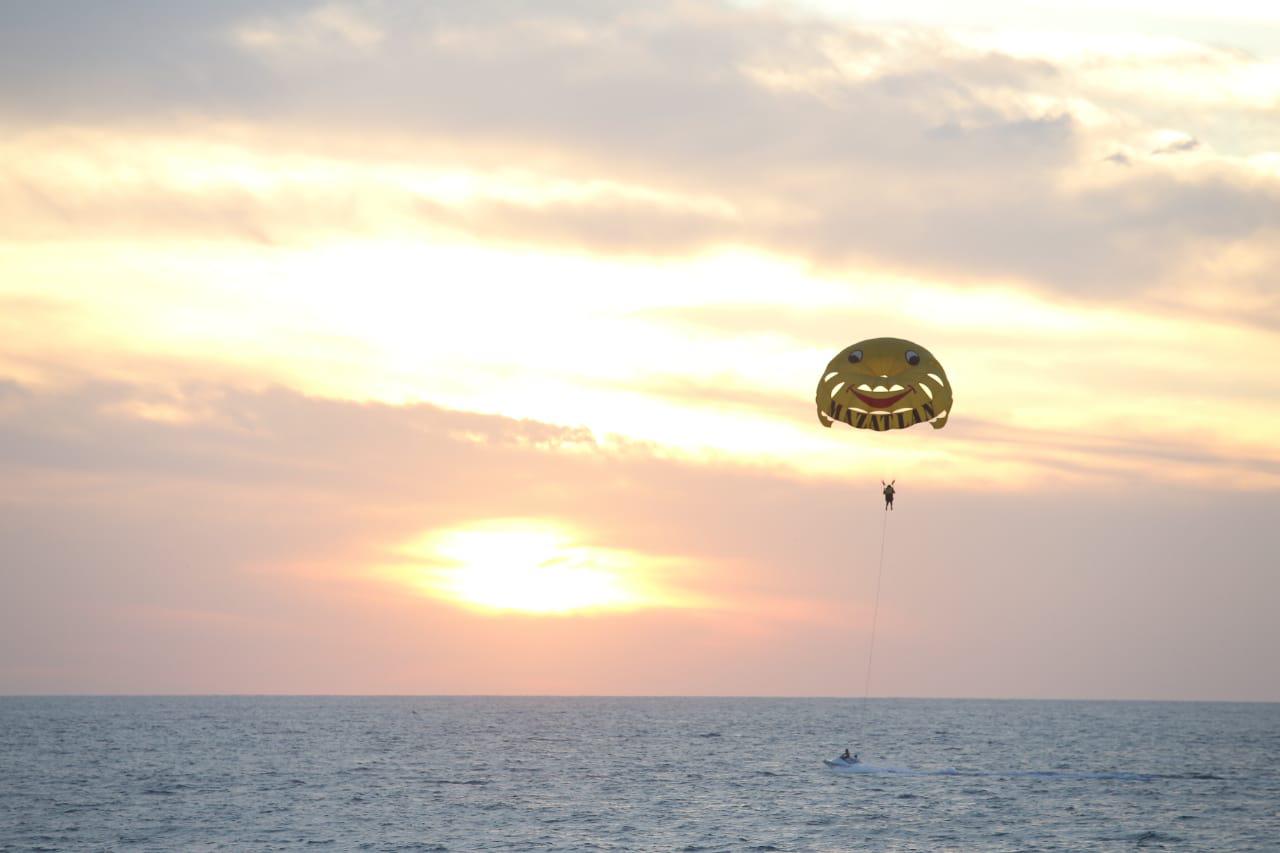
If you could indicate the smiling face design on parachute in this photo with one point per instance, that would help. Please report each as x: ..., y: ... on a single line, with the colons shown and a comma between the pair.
x: 882, y: 384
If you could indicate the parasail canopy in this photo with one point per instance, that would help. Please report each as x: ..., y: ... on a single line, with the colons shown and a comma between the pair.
x: 882, y: 384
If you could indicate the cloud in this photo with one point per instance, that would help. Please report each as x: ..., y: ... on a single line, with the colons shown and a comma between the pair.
x: 222, y: 520
x: 602, y: 225
x: 1178, y: 146
x: 324, y: 28
x: 843, y: 145
x: 230, y: 550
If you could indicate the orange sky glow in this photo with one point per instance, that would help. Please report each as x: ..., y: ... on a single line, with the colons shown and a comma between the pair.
x: 320, y: 373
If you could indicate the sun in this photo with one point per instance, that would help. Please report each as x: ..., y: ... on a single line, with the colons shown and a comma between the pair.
x: 528, y: 566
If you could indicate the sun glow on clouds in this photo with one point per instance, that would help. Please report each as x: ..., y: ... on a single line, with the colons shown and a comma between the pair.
x: 530, y: 566
x: 239, y: 176
x: 712, y: 358
x: 428, y: 269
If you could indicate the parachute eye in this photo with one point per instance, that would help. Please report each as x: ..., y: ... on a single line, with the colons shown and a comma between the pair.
x: 913, y: 357
x: 855, y: 356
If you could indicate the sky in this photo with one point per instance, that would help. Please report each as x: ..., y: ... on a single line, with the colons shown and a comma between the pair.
x: 470, y: 347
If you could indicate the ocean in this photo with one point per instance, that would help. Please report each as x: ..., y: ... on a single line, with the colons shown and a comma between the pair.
x: 706, y: 774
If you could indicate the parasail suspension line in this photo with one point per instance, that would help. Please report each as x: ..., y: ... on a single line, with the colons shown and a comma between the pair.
x: 875, y: 614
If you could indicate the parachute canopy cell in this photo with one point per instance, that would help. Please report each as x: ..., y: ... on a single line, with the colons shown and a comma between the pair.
x: 882, y: 384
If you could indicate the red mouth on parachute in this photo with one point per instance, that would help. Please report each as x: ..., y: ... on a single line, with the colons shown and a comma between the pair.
x: 882, y: 402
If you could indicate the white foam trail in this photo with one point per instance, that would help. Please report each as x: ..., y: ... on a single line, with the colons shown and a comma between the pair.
x: 863, y: 767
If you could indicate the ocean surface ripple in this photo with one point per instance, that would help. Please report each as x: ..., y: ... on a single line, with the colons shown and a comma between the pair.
x: 692, y: 774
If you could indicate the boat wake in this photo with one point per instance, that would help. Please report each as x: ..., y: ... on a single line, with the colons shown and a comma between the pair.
x: 861, y: 768
x: 841, y: 766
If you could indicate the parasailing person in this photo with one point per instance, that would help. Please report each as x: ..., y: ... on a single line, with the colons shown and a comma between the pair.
x: 881, y: 385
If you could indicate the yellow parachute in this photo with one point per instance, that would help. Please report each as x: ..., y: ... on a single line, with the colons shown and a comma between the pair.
x: 883, y: 384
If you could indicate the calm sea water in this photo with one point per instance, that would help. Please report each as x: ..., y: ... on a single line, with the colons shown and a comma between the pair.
x: 413, y: 773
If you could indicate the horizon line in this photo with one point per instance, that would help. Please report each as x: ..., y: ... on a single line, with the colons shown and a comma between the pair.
x: 86, y: 695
